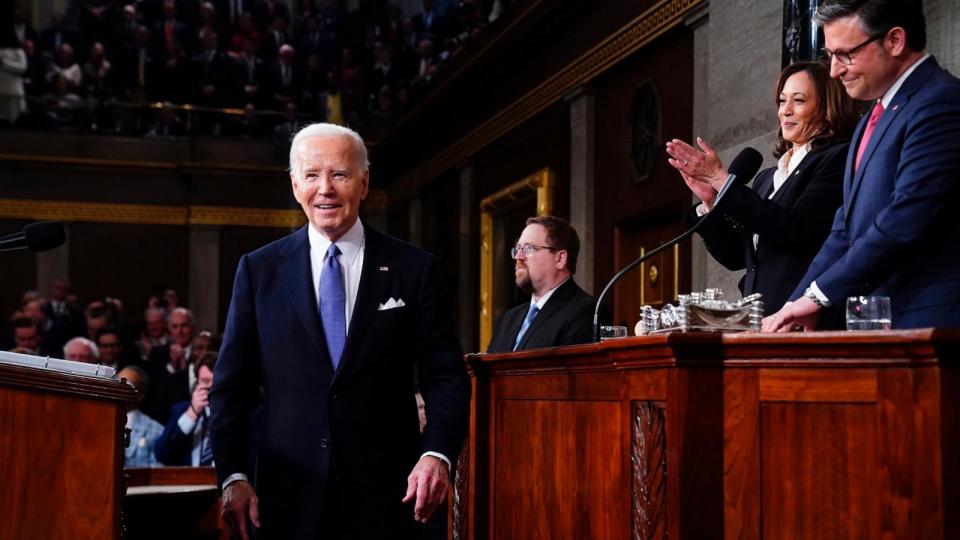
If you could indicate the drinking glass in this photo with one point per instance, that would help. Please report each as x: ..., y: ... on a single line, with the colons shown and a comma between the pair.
x: 868, y: 313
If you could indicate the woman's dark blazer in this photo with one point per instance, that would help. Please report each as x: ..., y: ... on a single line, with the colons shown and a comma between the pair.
x: 792, y: 225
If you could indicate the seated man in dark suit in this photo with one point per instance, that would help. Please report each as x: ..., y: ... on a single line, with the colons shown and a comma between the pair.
x: 559, y: 312
x: 186, y: 439
x: 169, y: 367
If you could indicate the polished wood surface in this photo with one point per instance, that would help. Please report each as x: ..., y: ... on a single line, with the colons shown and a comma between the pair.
x: 61, y: 454
x: 818, y: 435
x: 173, y: 502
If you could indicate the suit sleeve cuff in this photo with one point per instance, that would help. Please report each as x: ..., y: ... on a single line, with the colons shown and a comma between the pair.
x: 185, y: 424
x: 235, y: 477
x: 439, y: 455
x: 702, y: 210
x: 819, y: 294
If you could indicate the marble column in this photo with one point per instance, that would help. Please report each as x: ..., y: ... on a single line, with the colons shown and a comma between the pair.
x: 205, y: 277
x: 583, y: 181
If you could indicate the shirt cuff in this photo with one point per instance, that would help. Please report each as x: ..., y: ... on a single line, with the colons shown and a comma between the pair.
x: 235, y: 477
x: 819, y: 294
x: 186, y: 424
x: 439, y: 455
x: 702, y: 210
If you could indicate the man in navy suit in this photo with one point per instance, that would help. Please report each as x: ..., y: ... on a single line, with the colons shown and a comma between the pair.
x: 896, y: 233
x: 331, y: 322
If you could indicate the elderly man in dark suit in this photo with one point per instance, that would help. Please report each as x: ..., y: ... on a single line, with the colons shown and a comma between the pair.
x: 559, y: 312
x: 895, y: 234
x: 332, y: 321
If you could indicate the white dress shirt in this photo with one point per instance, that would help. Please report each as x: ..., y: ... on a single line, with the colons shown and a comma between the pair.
x: 352, y: 245
x: 785, y: 167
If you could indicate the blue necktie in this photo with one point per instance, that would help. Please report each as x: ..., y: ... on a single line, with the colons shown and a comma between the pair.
x: 332, y: 305
x: 206, y: 448
x: 531, y: 315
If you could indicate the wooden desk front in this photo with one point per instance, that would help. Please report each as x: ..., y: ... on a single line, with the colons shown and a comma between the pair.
x: 821, y: 435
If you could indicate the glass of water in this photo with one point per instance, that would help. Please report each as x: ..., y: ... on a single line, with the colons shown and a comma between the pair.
x: 868, y: 313
x: 612, y: 332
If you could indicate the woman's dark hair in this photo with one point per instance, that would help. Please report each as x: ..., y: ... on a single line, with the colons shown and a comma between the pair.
x: 836, y: 111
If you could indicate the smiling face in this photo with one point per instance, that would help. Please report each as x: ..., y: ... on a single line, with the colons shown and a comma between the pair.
x: 874, y: 69
x: 329, y: 181
x: 799, y: 108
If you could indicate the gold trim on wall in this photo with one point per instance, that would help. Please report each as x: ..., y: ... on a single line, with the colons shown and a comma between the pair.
x: 542, y: 183
x: 147, y: 214
x: 651, y: 24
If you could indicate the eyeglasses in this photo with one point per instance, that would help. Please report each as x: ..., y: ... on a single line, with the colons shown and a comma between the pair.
x: 527, y: 249
x: 846, y: 57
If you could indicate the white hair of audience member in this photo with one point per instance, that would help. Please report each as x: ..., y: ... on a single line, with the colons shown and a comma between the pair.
x: 181, y: 311
x: 91, y: 346
x: 327, y: 130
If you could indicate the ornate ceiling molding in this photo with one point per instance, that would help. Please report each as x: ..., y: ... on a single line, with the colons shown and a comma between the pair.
x: 146, y: 214
x: 657, y: 20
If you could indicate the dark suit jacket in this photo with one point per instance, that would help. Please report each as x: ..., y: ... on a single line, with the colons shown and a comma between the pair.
x: 360, y: 422
x: 897, y: 232
x: 566, y: 319
x: 166, y: 389
x: 792, y: 225
x: 175, y: 447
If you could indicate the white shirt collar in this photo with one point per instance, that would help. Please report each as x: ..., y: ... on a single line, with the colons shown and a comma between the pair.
x: 350, y: 243
x: 546, y: 296
x: 787, y: 164
x: 892, y: 91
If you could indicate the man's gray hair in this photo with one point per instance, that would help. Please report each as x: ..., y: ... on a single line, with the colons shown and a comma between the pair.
x: 94, y: 350
x: 328, y: 130
x: 181, y: 311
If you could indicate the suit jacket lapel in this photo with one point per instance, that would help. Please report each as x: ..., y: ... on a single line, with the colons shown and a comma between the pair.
x: 556, y: 301
x: 375, y: 278
x: 764, y: 185
x: 296, y: 276
x: 899, y: 102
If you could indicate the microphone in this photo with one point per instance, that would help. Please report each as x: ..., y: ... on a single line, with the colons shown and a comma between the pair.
x: 36, y: 237
x: 743, y: 168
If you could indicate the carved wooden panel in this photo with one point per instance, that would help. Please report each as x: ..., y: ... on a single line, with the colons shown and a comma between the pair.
x: 648, y: 456
x: 460, y: 487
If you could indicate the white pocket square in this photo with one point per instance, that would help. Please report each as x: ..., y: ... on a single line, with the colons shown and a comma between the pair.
x: 391, y: 304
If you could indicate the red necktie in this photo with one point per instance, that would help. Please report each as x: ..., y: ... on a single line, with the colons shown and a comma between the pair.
x: 875, y: 115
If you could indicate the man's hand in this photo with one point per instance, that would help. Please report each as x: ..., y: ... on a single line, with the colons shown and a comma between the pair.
x: 199, y: 401
x: 429, y: 482
x: 803, y: 312
x: 240, y: 502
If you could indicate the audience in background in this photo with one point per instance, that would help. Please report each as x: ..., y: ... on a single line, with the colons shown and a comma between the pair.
x: 95, y: 66
x: 185, y: 439
x: 169, y: 366
x: 81, y: 349
x: 144, y: 431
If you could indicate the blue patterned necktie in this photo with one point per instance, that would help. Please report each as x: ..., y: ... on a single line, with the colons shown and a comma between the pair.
x: 206, y: 447
x: 332, y: 301
x: 531, y: 315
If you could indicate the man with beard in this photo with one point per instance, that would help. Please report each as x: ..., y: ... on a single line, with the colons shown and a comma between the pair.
x: 559, y: 312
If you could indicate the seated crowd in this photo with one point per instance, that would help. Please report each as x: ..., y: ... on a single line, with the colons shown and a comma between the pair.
x: 169, y: 363
x: 96, y: 66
